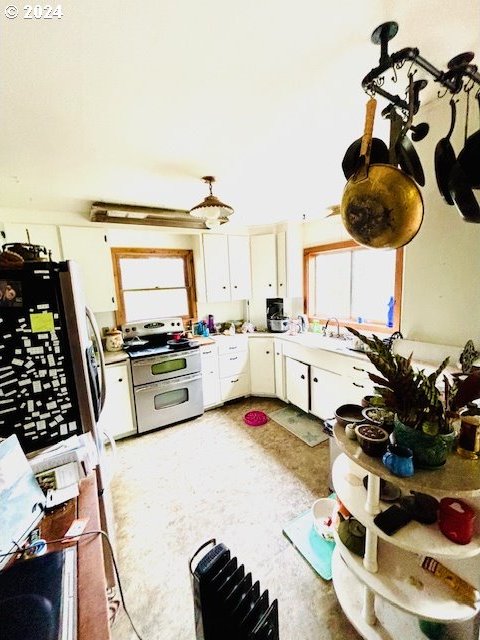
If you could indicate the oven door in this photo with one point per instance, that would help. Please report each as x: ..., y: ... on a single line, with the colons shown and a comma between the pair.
x: 165, y: 366
x: 163, y: 403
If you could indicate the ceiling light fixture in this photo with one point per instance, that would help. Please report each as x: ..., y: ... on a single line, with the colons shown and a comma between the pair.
x: 211, y: 210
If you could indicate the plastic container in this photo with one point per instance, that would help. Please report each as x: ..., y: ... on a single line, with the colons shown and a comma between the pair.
x: 324, y: 511
x: 255, y: 418
x: 391, y: 305
x: 456, y: 520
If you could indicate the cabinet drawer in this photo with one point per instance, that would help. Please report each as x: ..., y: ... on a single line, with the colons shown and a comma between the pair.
x: 233, y: 363
x: 209, y: 356
x: 232, y: 344
x: 234, y: 387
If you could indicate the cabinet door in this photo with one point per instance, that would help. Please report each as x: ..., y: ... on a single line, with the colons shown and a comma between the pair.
x: 89, y: 248
x: 279, y: 370
x: 264, y: 266
x: 282, y: 264
x: 328, y: 391
x: 210, y: 375
x: 262, y: 366
x: 297, y: 383
x: 217, y: 279
x: 117, y: 417
x: 43, y: 234
x: 239, y: 261
x: 235, y: 387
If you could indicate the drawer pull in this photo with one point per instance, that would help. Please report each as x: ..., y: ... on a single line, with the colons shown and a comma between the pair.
x: 234, y: 347
x: 236, y: 380
x: 302, y: 377
x: 315, y: 379
x: 358, y: 368
x: 358, y: 385
x: 120, y: 379
x: 206, y: 353
x: 235, y: 358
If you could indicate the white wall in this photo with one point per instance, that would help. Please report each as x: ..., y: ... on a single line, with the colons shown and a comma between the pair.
x: 441, y: 297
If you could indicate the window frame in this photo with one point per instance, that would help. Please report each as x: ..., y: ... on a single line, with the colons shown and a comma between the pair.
x: 350, y: 245
x: 119, y: 253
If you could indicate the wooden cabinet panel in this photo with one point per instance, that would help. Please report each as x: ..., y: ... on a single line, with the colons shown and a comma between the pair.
x: 117, y: 417
x: 264, y: 266
x: 239, y: 263
x: 297, y: 374
x: 217, y: 278
x: 262, y: 366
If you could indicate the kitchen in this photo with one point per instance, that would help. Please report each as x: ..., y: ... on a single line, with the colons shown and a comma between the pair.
x: 439, y: 303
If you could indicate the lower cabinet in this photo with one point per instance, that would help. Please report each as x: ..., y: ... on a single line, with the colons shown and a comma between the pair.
x: 117, y: 418
x: 233, y: 367
x: 210, y: 376
x: 329, y: 390
x: 262, y: 366
x: 279, y: 366
x: 297, y: 379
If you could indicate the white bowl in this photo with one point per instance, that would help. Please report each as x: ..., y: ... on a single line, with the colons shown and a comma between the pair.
x: 324, y: 511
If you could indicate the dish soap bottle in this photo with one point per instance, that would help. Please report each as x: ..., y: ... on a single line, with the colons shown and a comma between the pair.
x: 391, y: 304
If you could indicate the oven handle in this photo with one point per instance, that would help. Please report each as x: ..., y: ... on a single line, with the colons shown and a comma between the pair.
x: 190, y: 353
x: 168, y: 384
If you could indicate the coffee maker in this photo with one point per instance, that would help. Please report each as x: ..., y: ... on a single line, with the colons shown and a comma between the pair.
x: 277, y: 322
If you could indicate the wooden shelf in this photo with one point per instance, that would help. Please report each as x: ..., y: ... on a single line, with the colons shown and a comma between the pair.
x: 394, y: 581
x: 414, y: 537
x: 458, y: 477
x: 392, y: 623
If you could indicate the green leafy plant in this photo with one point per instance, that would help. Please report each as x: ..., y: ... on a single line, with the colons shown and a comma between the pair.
x: 414, y: 395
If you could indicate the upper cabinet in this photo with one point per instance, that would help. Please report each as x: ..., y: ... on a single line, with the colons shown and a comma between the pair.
x: 264, y: 266
x: 282, y: 289
x: 90, y: 249
x: 45, y: 235
x: 227, y: 267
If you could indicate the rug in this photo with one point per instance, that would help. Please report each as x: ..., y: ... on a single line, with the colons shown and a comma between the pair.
x: 316, y: 551
x: 301, y: 424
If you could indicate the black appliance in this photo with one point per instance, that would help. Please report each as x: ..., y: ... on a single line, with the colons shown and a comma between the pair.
x: 227, y: 600
x: 50, y: 385
x: 277, y: 322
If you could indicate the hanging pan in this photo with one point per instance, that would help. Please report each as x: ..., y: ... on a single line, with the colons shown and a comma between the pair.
x: 381, y: 207
x: 407, y: 156
x: 460, y: 189
x: 445, y: 158
x: 469, y: 156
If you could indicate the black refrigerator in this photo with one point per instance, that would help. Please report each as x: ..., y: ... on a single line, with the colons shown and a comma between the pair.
x: 51, y: 384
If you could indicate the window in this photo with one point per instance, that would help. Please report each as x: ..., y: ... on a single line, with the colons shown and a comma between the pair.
x: 154, y: 283
x: 354, y: 284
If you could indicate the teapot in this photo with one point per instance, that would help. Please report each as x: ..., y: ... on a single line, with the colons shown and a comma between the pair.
x: 113, y: 340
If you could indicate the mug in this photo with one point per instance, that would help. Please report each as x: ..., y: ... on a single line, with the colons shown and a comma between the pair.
x: 399, y: 460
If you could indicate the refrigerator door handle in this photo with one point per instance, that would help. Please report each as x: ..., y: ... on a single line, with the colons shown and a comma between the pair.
x: 98, y: 339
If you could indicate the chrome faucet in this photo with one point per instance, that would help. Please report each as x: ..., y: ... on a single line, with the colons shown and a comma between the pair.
x: 326, y: 325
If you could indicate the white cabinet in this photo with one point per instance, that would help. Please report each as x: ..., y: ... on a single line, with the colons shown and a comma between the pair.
x: 279, y: 369
x: 233, y: 366
x: 262, y: 366
x: 297, y: 383
x: 264, y: 266
x: 380, y: 594
x: 227, y: 267
x: 239, y: 263
x: 42, y: 234
x: 117, y: 418
x: 90, y: 249
x: 282, y: 285
x: 327, y: 392
x: 210, y: 375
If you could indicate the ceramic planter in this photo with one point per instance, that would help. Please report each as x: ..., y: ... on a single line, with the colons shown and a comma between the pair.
x: 429, y: 452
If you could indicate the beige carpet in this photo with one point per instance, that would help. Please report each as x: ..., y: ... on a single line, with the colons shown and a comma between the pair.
x: 215, y: 477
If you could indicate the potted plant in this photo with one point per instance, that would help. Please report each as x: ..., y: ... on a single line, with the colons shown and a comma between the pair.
x: 424, y: 414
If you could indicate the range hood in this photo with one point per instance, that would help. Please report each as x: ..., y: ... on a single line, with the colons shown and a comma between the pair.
x: 156, y: 216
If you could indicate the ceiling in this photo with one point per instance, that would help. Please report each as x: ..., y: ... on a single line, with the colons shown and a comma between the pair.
x: 132, y: 102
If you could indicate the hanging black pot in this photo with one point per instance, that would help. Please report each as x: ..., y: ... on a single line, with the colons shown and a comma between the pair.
x: 445, y: 158
x: 469, y: 156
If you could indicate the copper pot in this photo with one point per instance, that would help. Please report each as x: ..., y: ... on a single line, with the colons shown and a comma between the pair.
x: 381, y: 206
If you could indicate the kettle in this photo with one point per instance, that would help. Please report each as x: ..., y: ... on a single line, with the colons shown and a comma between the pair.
x: 303, y: 321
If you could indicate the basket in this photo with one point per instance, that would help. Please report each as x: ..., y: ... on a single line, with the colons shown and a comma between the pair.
x: 255, y: 418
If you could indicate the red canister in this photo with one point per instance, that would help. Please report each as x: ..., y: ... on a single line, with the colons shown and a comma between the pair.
x: 456, y: 520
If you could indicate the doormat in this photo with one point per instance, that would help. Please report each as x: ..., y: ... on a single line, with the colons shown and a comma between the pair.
x: 301, y: 424
x: 316, y: 551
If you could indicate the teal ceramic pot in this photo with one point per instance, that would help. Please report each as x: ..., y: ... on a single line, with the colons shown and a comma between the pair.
x: 429, y: 452
x: 450, y: 440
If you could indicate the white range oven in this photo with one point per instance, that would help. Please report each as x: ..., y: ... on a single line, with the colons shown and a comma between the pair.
x: 167, y: 376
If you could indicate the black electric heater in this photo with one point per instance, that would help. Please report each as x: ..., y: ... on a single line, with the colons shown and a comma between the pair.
x: 227, y: 603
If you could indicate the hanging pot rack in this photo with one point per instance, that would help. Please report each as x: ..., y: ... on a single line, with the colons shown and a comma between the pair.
x: 460, y: 72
